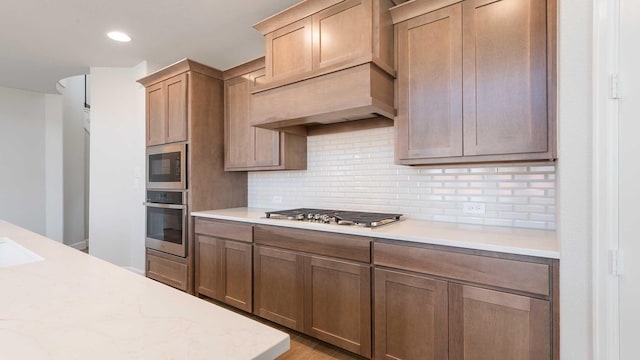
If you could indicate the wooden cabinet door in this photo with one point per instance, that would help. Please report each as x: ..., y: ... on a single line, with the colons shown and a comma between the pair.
x: 167, y: 271
x: 237, y: 280
x: 278, y: 288
x: 429, y: 85
x: 238, y: 132
x: 411, y: 316
x: 266, y: 143
x: 342, y: 34
x: 176, y: 112
x: 208, y: 267
x: 505, y: 77
x: 155, y: 124
x: 247, y: 147
x: 338, y: 303
x: 487, y: 324
x: 266, y: 147
x: 288, y: 50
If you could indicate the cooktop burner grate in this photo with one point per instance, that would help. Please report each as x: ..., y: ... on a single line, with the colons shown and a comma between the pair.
x: 358, y: 218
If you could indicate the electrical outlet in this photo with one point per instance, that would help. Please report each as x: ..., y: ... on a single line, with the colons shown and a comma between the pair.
x: 473, y: 208
x: 276, y: 199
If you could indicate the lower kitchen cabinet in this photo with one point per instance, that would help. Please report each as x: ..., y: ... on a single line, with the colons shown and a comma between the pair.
x: 167, y: 269
x: 223, y: 266
x: 436, y: 303
x: 338, y: 303
x: 208, y: 266
x: 488, y: 324
x: 278, y: 286
x: 327, y: 297
x: 237, y: 274
x: 397, y: 300
x: 411, y: 316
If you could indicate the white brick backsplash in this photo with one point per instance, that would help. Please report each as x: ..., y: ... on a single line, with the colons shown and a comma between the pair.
x: 541, y: 169
x: 483, y: 170
x: 470, y: 191
x: 501, y: 192
x: 513, y: 169
x: 498, y: 222
x: 456, y: 171
x: 530, y: 177
x: 355, y: 171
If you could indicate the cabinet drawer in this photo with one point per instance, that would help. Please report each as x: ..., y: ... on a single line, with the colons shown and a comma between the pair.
x: 224, y: 229
x: 166, y: 271
x: 357, y: 248
x: 505, y: 273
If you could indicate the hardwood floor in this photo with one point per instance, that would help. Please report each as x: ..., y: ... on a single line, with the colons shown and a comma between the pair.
x: 306, y: 348
x: 302, y: 347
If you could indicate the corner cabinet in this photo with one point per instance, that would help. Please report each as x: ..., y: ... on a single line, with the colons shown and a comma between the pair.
x: 248, y: 147
x: 435, y: 303
x: 475, y: 81
x: 317, y: 283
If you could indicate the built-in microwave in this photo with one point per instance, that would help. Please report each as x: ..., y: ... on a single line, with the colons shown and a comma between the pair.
x: 166, y: 167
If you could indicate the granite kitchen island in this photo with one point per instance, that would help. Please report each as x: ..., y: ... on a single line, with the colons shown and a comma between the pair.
x: 70, y: 305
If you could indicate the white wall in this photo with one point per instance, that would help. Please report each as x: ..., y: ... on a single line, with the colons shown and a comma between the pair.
x: 53, y: 168
x: 116, y: 213
x: 22, y: 160
x: 355, y: 171
x: 574, y: 177
x: 73, y: 142
x: 629, y: 173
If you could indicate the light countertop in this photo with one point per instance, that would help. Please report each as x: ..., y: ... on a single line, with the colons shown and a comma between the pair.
x: 71, y: 305
x: 540, y: 243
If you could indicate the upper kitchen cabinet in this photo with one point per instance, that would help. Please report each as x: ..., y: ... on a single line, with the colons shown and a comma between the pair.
x: 327, y: 61
x: 167, y: 111
x: 248, y: 147
x: 327, y: 35
x: 476, y: 81
x: 168, y: 99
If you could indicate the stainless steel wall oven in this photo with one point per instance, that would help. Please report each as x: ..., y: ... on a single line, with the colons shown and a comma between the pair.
x: 167, y: 219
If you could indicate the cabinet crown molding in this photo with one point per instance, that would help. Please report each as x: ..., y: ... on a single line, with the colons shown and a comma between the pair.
x: 243, y: 69
x: 180, y: 67
x: 410, y: 9
x: 293, y: 13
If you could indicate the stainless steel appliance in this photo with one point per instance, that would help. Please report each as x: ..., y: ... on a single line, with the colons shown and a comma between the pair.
x: 339, y: 217
x: 167, y: 219
x: 166, y: 167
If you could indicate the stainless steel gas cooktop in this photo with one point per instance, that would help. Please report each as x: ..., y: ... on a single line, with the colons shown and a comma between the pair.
x: 357, y: 218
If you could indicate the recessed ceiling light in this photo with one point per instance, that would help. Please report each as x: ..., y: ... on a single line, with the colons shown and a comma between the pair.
x: 119, y: 36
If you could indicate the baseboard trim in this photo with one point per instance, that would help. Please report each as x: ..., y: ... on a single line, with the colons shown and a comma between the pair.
x: 82, y: 245
x: 134, y: 270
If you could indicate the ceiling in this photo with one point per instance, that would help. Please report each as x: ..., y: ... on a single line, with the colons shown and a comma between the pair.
x: 43, y: 41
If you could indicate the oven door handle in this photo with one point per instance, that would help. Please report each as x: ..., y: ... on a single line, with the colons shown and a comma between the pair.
x: 165, y: 206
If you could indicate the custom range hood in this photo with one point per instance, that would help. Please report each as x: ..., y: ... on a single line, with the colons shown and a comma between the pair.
x: 326, y: 61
